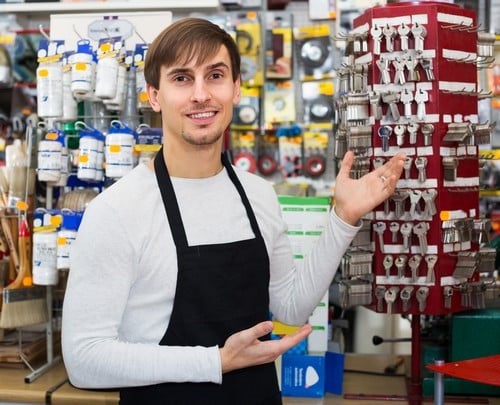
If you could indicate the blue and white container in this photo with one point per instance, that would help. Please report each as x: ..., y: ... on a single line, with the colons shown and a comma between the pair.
x: 91, y: 154
x: 66, y: 237
x: 119, y: 150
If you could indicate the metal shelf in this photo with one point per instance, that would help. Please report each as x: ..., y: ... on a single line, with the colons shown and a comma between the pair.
x: 98, y: 6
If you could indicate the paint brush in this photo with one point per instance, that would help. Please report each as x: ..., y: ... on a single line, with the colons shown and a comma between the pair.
x: 23, y: 303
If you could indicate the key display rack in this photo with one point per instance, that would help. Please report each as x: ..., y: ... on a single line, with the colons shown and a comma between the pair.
x: 409, y: 84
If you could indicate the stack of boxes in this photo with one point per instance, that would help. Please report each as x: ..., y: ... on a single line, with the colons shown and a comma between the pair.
x: 308, y: 369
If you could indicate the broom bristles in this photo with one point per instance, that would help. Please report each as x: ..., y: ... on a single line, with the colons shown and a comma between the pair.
x: 23, y: 307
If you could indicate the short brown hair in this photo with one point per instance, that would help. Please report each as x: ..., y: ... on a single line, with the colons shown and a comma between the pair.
x: 185, y: 40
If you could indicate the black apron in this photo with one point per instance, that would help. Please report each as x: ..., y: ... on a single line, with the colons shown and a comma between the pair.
x: 221, y: 289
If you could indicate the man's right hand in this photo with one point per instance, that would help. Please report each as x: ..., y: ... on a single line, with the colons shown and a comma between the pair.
x: 244, y: 349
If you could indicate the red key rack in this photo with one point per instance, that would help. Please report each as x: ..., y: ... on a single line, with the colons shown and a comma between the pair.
x: 451, y: 154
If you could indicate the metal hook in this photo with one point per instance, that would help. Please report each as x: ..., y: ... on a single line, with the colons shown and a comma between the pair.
x: 140, y: 36
x: 76, y: 32
x: 107, y: 33
x: 42, y: 31
x: 467, y: 28
x: 453, y: 26
x: 473, y: 28
x: 481, y: 94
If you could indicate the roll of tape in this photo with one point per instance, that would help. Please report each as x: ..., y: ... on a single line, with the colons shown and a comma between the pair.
x: 267, y: 165
x: 245, y: 161
x: 315, y: 166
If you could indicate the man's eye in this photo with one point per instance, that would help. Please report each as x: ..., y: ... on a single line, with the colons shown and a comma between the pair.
x: 180, y: 78
x: 217, y: 75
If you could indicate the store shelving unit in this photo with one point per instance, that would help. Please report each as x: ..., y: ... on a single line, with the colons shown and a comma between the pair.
x: 30, y: 15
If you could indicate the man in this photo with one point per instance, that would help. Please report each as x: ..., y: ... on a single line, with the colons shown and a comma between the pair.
x: 177, y: 265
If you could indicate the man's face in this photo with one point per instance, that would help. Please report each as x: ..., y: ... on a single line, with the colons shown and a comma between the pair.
x: 196, y: 101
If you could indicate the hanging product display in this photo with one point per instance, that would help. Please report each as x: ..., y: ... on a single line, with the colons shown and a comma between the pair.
x: 108, y: 62
x: 49, y: 79
x: 417, y: 94
x: 91, y: 153
x: 119, y: 150
x: 52, y: 158
x: 82, y: 70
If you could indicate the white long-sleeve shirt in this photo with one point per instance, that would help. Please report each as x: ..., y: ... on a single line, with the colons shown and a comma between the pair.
x: 122, y: 280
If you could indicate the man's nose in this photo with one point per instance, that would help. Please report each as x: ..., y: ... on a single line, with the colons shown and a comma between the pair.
x: 201, y: 92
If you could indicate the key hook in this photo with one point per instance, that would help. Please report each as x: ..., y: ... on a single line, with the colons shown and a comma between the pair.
x: 43, y: 32
x: 139, y: 35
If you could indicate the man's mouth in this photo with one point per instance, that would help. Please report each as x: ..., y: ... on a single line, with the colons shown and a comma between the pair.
x: 203, y: 115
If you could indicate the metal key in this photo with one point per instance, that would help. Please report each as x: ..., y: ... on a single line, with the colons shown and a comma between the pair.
x: 403, y: 31
x: 405, y: 296
x: 408, y: 162
x: 376, y: 33
x: 392, y: 98
x: 384, y: 132
x: 413, y: 73
x: 422, y: 294
x: 407, y: 99
x: 427, y: 131
x: 380, y: 294
x: 426, y: 64
x: 399, y: 197
x: 431, y: 264
x: 394, y: 228
x: 375, y: 105
x: 399, y: 66
x: 414, y: 264
x: 389, y: 33
x: 447, y: 294
x: 415, y: 196
x: 400, y: 264
x: 421, y: 97
x: 390, y: 296
x: 421, y: 231
x: 387, y: 263
x: 400, y: 130
x: 406, y: 231
x: 429, y: 195
x: 383, y: 67
x: 450, y: 165
x: 419, y: 33
x: 421, y: 165
x: 378, y: 161
x: 379, y: 228
x: 412, y: 129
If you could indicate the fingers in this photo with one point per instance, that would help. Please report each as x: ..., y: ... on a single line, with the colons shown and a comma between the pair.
x: 295, y: 338
x: 392, y: 169
x: 259, y: 330
x: 346, y: 164
x: 243, y: 349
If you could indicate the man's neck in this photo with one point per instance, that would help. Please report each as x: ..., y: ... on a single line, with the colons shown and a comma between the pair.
x: 197, y: 164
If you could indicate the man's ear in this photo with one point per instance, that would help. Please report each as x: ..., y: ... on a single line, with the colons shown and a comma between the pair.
x: 153, y: 97
x: 237, y: 91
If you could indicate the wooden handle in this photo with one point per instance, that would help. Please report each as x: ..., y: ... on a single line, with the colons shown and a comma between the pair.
x: 24, y: 277
x: 6, y: 227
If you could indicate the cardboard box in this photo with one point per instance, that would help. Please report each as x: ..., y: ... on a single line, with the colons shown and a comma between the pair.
x: 334, y: 366
x: 317, y: 341
x: 303, y: 376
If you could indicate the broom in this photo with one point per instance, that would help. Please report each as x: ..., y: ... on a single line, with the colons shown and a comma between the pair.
x: 23, y: 303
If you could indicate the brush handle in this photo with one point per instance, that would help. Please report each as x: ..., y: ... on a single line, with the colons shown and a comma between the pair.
x: 10, y: 241
x: 24, y: 277
x: 25, y: 274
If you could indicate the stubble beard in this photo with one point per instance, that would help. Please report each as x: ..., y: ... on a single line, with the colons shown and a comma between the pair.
x: 204, y: 140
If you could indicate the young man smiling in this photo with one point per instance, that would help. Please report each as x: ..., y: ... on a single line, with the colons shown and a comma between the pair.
x: 177, y: 265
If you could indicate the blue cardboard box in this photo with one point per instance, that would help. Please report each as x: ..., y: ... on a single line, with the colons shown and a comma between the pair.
x: 334, y: 366
x: 303, y: 375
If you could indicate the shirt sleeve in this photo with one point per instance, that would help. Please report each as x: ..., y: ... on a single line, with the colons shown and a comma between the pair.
x: 103, y: 270
x: 297, y: 288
